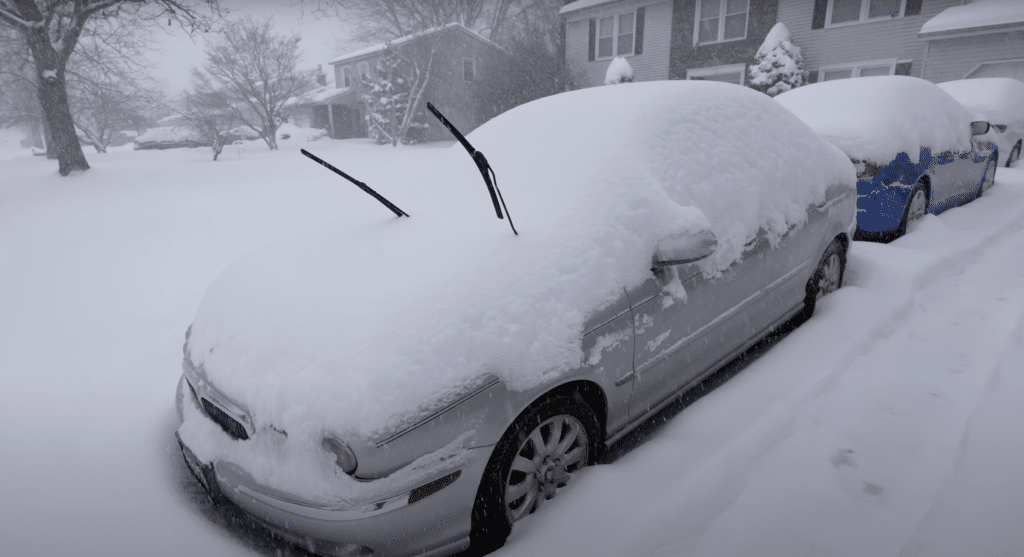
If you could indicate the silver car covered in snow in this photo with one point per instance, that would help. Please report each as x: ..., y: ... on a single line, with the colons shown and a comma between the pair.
x: 414, y: 386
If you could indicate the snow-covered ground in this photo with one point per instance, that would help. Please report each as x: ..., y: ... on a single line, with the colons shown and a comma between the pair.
x: 888, y: 424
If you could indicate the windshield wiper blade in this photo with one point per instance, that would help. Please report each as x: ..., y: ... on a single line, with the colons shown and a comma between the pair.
x: 481, y: 164
x: 398, y: 212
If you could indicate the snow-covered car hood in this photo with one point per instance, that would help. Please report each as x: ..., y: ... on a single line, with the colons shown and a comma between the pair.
x: 356, y: 328
x: 875, y: 118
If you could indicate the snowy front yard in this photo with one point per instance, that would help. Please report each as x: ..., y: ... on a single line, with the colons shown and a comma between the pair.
x: 888, y: 424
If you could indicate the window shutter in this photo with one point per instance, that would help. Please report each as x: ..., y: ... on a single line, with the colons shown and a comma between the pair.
x: 593, y: 39
x: 913, y: 7
x: 818, y: 20
x: 639, y: 37
x: 903, y: 68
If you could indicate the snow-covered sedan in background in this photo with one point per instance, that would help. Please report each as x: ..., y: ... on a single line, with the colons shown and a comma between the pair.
x: 1001, y: 101
x: 914, y: 146
x: 414, y: 386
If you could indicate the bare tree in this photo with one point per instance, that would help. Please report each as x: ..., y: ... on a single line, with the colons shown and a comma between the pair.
x: 52, y: 29
x: 19, y: 104
x: 258, y: 70
x: 211, y: 115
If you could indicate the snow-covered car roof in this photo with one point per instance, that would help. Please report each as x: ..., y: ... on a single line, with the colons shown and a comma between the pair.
x: 354, y: 328
x: 999, y: 99
x: 875, y: 118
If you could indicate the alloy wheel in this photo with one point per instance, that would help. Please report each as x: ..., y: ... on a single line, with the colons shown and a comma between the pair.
x: 831, y: 274
x: 544, y: 463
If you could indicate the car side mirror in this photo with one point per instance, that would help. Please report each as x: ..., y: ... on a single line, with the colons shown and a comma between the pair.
x: 686, y: 248
x: 979, y: 128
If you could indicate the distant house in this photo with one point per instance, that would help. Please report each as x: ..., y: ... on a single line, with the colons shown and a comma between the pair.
x: 668, y: 39
x: 463, y: 60
x: 978, y: 39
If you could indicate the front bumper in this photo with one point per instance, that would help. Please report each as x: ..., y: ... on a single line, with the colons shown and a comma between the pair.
x: 433, y: 519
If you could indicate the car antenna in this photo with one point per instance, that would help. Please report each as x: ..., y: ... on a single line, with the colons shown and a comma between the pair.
x: 482, y: 164
x: 398, y: 212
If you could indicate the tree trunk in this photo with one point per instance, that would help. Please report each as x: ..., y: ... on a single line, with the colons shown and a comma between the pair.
x: 53, y: 98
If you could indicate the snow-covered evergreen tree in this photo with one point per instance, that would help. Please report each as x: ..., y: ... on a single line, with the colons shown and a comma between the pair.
x: 387, y: 98
x: 778, y: 65
x: 619, y: 71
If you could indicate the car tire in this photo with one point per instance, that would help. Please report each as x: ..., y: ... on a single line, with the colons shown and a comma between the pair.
x: 1014, y: 153
x: 827, y: 277
x: 917, y: 207
x: 521, y: 475
x: 989, y: 177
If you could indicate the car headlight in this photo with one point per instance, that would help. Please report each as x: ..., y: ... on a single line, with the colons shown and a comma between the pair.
x: 343, y: 455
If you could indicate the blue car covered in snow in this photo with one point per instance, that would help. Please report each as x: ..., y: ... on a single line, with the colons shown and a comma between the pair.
x: 915, y: 148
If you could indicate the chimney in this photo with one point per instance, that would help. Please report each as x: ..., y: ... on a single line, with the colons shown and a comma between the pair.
x: 321, y: 77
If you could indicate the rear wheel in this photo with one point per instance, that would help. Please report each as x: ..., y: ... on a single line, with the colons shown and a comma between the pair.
x: 917, y: 207
x: 550, y: 441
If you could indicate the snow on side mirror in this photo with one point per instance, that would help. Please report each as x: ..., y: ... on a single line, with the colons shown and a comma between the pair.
x: 685, y: 249
x: 979, y: 128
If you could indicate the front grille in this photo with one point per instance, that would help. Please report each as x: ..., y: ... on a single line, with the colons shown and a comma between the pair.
x: 227, y: 423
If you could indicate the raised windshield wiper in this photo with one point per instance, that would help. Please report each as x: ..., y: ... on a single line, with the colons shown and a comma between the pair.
x: 482, y: 164
x: 398, y: 212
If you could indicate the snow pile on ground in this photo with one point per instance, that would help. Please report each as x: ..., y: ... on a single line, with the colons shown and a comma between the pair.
x: 351, y: 329
x: 875, y: 118
x: 999, y: 99
x: 619, y: 71
x: 979, y: 13
x: 778, y: 63
x: 163, y: 134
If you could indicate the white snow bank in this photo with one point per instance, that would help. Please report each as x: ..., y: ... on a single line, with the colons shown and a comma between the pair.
x: 297, y: 134
x: 1000, y: 99
x: 619, y: 71
x: 980, y: 13
x: 350, y: 330
x: 875, y: 118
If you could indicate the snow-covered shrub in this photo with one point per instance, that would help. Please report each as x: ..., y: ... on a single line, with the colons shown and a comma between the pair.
x: 778, y: 65
x: 387, y: 99
x: 619, y: 71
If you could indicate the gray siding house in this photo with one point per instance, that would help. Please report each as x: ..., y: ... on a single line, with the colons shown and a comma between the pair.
x: 463, y: 60
x: 857, y: 38
x: 978, y: 39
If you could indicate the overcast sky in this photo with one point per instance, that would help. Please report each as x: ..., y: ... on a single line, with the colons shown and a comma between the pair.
x: 179, y: 53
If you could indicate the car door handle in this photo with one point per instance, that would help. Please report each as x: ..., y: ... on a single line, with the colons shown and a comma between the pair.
x: 625, y: 379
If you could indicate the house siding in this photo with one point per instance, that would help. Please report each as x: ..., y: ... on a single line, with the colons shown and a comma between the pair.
x: 876, y: 40
x: 652, y: 64
x: 950, y: 59
x: 686, y: 55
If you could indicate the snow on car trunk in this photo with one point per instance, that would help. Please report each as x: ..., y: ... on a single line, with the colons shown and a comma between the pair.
x: 875, y: 118
x: 355, y: 329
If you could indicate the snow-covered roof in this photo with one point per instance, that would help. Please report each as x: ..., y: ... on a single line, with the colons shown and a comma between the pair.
x: 322, y: 94
x: 875, y: 118
x: 411, y: 37
x: 583, y: 4
x: 975, y: 16
x: 333, y: 331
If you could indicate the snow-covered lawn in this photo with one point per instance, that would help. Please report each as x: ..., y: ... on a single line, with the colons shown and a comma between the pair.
x: 888, y: 424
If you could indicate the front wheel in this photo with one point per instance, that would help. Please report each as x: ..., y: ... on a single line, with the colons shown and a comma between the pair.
x: 827, y: 277
x: 537, y: 456
x: 1014, y: 154
x: 990, y: 176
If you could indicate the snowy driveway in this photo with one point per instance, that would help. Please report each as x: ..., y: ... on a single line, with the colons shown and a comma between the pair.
x: 886, y: 425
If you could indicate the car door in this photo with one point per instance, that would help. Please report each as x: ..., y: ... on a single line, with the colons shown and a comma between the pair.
x: 608, y: 357
x: 676, y: 340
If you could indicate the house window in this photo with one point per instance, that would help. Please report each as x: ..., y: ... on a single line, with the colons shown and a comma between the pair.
x: 731, y: 73
x: 860, y: 69
x: 468, y: 69
x: 721, y: 20
x: 364, y: 71
x: 616, y: 35
x: 346, y: 77
x: 842, y: 12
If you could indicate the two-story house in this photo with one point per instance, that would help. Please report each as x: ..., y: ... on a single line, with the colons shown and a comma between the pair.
x: 982, y: 38
x: 667, y: 39
x: 462, y: 60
